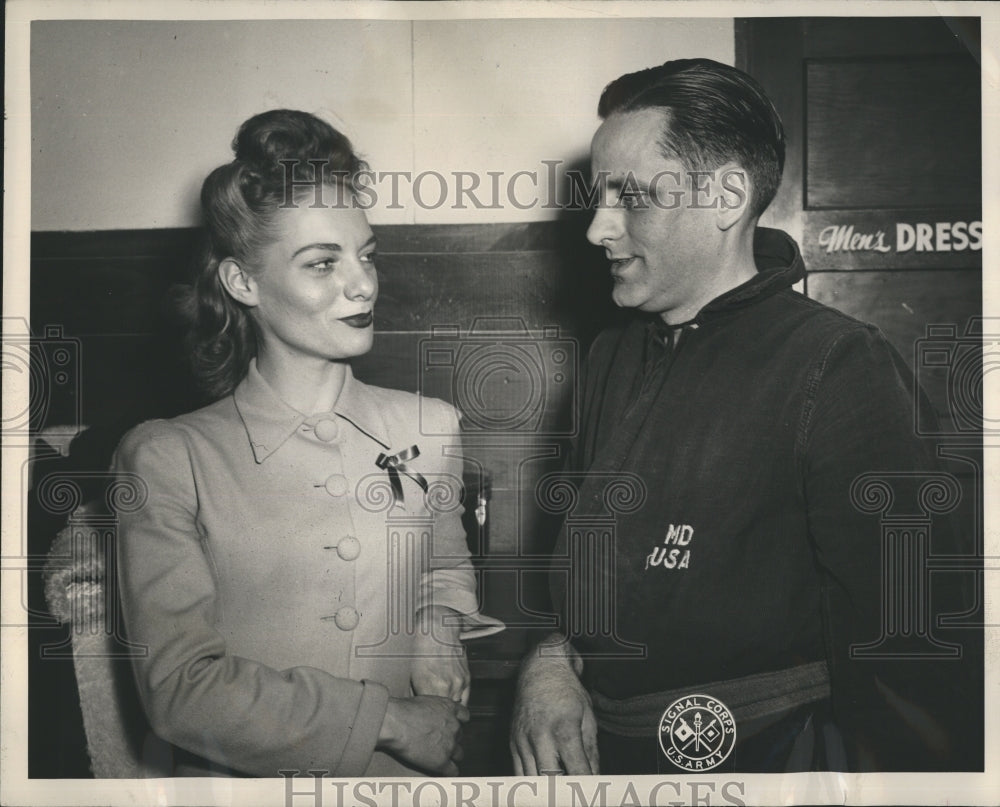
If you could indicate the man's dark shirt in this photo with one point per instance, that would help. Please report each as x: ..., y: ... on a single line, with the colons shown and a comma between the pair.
x: 749, y: 426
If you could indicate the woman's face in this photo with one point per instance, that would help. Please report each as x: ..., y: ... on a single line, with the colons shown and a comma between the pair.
x: 316, y: 284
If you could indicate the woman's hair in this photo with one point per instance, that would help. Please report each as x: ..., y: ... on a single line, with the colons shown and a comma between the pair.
x: 281, y: 155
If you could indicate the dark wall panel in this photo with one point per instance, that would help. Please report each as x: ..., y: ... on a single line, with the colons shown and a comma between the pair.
x: 853, y: 109
x: 842, y: 37
x: 102, y: 294
x: 902, y: 304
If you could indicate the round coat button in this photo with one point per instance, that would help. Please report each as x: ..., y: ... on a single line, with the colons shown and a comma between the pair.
x: 336, y: 485
x: 348, y: 547
x: 327, y: 430
x: 346, y: 618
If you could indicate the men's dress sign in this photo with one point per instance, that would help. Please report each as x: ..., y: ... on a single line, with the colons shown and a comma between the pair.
x: 886, y: 239
x: 942, y: 236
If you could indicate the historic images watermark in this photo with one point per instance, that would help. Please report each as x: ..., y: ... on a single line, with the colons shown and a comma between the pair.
x: 50, y: 362
x: 478, y: 368
x: 550, y: 186
x: 313, y: 789
x: 950, y: 362
x: 42, y: 386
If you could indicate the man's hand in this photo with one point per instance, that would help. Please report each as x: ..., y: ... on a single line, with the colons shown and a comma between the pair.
x: 424, y: 732
x: 554, y: 728
x: 439, y: 665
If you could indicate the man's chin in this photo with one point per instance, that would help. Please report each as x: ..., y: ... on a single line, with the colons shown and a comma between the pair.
x: 623, y: 299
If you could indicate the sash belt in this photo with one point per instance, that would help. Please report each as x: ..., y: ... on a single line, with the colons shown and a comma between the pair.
x: 756, y: 701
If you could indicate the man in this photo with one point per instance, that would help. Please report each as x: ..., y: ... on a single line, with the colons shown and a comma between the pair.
x: 748, y: 577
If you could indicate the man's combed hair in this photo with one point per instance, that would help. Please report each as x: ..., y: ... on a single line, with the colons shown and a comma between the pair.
x: 714, y: 114
x: 277, y: 156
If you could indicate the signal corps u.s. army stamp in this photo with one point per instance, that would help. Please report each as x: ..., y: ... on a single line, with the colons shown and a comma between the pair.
x: 697, y: 732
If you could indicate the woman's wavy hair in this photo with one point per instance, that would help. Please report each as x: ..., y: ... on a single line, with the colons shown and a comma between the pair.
x: 280, y: 156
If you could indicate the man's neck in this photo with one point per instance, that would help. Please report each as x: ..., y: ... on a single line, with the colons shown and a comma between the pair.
x: 735, y: 267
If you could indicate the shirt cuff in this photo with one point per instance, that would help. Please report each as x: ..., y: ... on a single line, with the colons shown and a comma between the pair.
x: 365, y: 730
x: 472, y: 624
x: 477, y: 625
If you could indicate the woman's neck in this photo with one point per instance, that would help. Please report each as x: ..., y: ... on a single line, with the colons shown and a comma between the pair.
x: 307, y: 384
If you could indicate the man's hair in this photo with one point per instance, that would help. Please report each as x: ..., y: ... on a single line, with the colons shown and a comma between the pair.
x: 713, y: 114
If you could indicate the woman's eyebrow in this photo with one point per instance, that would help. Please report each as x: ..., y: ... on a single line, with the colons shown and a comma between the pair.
x: 327, y: 246
x: 331, y: 247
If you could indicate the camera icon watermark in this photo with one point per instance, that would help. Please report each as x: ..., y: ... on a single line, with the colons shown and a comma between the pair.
x: 503, y: 378
x: 951, y: 368
x: 49, y: 366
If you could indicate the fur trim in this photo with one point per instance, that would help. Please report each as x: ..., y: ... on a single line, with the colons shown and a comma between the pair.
x: 74, y: 572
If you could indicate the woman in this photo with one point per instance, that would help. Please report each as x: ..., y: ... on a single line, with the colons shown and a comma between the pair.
x: 294, y: 568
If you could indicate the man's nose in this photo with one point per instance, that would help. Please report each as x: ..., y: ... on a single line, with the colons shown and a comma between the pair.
x: 606, y: 225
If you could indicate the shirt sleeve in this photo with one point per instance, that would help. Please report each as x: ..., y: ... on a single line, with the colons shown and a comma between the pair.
x: 231, y: 710
x: 902, y: 712
x: 450, y: 580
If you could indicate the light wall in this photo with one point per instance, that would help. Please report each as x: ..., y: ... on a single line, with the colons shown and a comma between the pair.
x: 128, y: 117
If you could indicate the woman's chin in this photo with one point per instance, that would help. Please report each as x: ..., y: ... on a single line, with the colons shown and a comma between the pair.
x: 359, y: 345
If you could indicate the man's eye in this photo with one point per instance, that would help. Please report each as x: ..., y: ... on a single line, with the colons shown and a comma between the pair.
x: 630, y: 200
x: 370, y: 257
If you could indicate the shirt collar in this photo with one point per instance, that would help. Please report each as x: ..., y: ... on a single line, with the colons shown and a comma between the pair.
x: 269, y: 421
x: 663, y: 336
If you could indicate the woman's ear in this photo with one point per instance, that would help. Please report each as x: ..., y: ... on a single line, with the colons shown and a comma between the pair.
x: 734, y: 190
x: 238, y: 282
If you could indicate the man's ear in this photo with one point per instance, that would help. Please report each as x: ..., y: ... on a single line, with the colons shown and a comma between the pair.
x: 238, y: 282
x: 734, y: 190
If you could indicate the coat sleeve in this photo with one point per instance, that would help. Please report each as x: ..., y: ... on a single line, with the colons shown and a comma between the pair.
x: 231, y: 710
x: 894, y: 713
x: 450, y: 580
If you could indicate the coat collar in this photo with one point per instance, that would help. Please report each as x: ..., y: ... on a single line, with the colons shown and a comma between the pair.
x: 779, y: 266
x: 269, y: 421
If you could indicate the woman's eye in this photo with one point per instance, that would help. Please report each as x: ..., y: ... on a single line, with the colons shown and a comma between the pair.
x: 323, y: 266
x: 370, y: 257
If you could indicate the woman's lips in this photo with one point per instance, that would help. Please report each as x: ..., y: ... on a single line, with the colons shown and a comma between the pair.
x: 358, y: 320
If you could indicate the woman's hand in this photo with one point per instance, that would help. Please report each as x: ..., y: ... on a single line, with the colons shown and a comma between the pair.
x: 439, y: 665
x: 424, y: 732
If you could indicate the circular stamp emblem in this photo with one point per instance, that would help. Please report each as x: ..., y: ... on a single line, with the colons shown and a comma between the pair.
x: 697, y: 732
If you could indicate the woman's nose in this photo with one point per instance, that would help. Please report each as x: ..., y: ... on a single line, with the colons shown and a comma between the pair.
x: 363, y: 281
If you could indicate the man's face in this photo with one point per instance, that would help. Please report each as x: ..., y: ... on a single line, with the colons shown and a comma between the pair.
x: 661, y: 238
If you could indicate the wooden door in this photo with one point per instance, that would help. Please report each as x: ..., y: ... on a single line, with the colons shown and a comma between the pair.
x: 882, y: 183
